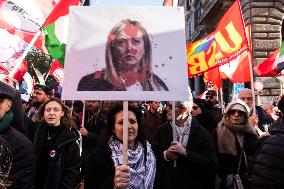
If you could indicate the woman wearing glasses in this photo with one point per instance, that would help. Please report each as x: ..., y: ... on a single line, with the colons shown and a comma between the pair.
x: 236, y: 141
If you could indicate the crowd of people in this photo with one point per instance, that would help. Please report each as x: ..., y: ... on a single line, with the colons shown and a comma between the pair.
x: 47, y: 143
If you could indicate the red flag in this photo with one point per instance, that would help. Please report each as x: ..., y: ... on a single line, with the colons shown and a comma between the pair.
x: 238, y: 70
x: 221, y: 46
x: 213, y: 75
x: 23, y: 68
x: 171, y: 3
x: 57, y: 71
x: 268, y: 67
x: 168, y: 3
x: 24, y: 19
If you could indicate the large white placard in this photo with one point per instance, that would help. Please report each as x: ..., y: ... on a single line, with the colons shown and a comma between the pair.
x: 126, y: 53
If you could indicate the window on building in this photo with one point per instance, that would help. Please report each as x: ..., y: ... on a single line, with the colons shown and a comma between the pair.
x: 190, y: 27
x: 197, y: 12
x: 189, y: 3
x: 282, y: 31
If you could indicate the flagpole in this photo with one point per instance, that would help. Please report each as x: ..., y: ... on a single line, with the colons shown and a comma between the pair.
x: 31, y: 44
x: 250, y: 58
x: 222, y: 99
x: 47, y: 75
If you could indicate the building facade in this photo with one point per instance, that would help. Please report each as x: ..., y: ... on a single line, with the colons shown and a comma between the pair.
x: 265, y: 18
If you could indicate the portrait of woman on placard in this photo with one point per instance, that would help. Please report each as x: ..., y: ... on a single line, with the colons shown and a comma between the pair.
x: 128, y: 59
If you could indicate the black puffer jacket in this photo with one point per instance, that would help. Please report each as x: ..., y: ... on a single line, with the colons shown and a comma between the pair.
x: 22, y: 173
x: 268, y: 164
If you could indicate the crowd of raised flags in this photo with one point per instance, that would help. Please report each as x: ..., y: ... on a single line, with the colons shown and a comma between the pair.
x: 226, y: 53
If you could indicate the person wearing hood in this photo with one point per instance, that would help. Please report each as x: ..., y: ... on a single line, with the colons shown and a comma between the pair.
x: 201, y: 113
x: 57, y: 149
x: 22, y: 170
x: 268, y: 163
x: 235, y: 141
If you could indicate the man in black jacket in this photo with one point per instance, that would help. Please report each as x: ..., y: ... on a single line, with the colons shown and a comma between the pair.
x: 22, y: 169
x: 189, y: 153
x: 268, y: 163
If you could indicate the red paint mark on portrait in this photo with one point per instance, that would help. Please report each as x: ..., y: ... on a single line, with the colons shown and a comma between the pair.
x: 131, y: 30
x: 133, y: 51
x: 98, y: 74
x: 111, y: 38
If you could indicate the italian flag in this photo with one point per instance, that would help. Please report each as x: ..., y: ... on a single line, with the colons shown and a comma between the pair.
x: 55, y: 29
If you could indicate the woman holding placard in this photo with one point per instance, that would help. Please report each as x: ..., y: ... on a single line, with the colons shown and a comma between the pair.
x: 104, y: 168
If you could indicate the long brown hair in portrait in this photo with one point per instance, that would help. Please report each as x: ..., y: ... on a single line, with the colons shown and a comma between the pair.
x: 65, y: 120
x: 113, y: 72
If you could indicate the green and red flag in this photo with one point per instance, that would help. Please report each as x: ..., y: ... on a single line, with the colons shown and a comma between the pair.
x: 55, y: 29
x: 273, y: 65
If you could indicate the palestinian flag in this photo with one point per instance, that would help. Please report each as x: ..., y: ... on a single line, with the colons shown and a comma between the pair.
x: 55, y: 29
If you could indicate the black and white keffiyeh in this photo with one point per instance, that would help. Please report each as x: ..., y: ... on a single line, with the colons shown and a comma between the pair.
x: 142, y: 173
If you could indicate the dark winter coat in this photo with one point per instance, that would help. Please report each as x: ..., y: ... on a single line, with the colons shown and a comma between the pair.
x: 100, y: 170
x: 264, y: 118
x: 198, y: 168
x: 94, y: 127
x: 153, y: 121
x: 62, y: 164
x: 22, y: 173
x: 228, y: 164
x: 268, y: 164
x: 205, y: 119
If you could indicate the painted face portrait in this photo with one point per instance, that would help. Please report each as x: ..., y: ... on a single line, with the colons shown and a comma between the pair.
x: 128, y: 47
x: 128, y: 59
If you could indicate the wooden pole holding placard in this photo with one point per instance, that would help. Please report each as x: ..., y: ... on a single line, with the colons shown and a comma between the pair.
x: 174, y: 121
x: 125, y: 132
x: 174, y: 125
x: 82, y: 125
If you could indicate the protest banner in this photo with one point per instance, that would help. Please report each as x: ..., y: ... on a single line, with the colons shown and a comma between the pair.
x: 126, y: 53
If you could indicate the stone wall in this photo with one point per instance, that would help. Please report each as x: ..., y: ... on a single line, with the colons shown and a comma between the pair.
x: 266, y: 19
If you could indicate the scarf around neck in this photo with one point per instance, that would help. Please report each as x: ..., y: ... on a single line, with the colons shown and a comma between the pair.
x: 227, y: 134
x: 142, y: 173
x: 6, y: 120
x: 182, y: 137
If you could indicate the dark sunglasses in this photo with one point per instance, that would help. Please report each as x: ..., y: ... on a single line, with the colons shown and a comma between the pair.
x: 233, y: 112
x: 195, y: 107
x: 244, y: 98
x: 209, y: 97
